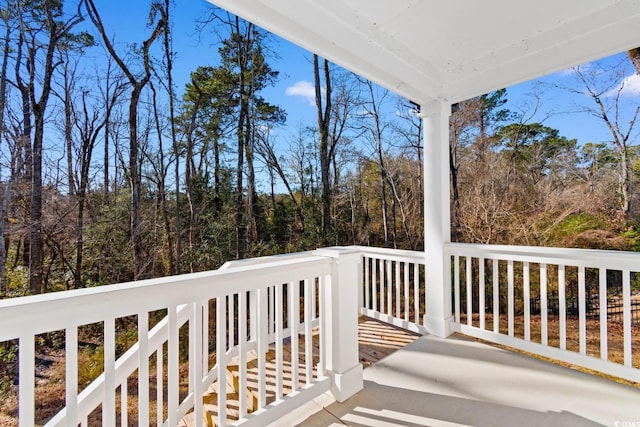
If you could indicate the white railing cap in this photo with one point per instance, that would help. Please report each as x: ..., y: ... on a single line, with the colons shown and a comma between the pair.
x: 596, y: 258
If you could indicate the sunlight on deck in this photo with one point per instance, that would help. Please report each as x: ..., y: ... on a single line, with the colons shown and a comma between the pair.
x: 376, y: 341
x: 459, y: 382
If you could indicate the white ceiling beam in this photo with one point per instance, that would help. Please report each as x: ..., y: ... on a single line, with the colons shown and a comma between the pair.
x: 438, y: 57
x: 375, y: 33
x: 577, y: 42
x: 348, y: 50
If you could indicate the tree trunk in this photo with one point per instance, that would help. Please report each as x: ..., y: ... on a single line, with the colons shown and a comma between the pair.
x: 323, y: 118
x: 625, y: 203
x: 383, y: 196
x: 243, y: 137
x: 189, y: 178
x: 68, y: 129
x: 217, y: 171
x: 135, y: 182
x: 7, y: 191
x: 3, y: 248
x: 162, y: 171
x: 56, y: 31
x: 240, y: 224
x: 453, y: 169
x: 252, y: 228
x: 168, y: 54
x: 138, y: 85
x: 35, y: 211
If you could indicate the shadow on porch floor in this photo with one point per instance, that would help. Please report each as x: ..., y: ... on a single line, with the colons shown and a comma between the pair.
x: 459, y: 382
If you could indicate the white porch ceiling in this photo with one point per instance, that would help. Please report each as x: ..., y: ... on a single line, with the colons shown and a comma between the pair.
x: 452, y: 49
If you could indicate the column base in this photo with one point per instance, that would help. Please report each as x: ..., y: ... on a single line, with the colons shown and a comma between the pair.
x: 438, y: 327
x: 347, y: 384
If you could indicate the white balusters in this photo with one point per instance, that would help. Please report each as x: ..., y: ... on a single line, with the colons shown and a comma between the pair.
x: 496, y: 295
x: 510, y: 298
x: 231, y: 322
x: 526, y: 291
x: 27, y: 380
x: 562, y: 309
x: 324, y: 346
x: 469, y: 277
x: 456, y: 288
x: 262, y: 343
x: 544, y: 308
x: 367, y: 284
x: 124, y: 404
x: 272, y: 305
x: 308, y: 337
x: 205, y: 337
x: 416, y: 292
x: 389, y: 287
x: 582, y: 314
x: 160, y: 386
x: 160, y: 351
x: 242, y: 349
x: 626, y: 310
x: 221, y: 359
x: 568, y: 287
x: 481, y: 294
x: 143, y: 369
x: 109, y: 403
x: 71, y: 368
x: 172, y: 367
x: 294, y: 325
x: 392, y: 287
x: 602, y: 306
x: 406, y: 291
x: 279, y: 338
x: 196, y: 355
x: 396, y: 267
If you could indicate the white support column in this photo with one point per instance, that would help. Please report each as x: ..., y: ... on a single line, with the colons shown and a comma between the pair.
x: 437, y: 221
x: 341, y: 294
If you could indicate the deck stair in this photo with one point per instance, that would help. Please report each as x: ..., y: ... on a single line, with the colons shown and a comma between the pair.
x: 377, y: 340
x: 232, y: 379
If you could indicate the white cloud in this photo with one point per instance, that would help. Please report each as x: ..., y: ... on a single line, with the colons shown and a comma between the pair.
x: 304, y: 90
x: 629, y: 86
x: 566, y: 73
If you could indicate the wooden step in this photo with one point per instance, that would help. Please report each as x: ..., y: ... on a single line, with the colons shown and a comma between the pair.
x: 376, y: 340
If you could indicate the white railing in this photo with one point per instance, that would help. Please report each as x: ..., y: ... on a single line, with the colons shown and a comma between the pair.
x: 237, y: 310
x: 93, y: 395
x: 559, y: 303
x: 572, y: 305
x: 393, y: 287
x: 565, y: 304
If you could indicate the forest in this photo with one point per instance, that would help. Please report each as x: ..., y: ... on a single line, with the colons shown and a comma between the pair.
x: 111, y: 172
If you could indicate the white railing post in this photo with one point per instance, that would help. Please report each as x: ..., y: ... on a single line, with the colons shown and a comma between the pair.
x: 340, y: 319
x: 437, y: 226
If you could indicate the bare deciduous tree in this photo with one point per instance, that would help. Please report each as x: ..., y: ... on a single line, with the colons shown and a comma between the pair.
x: 137, y: 85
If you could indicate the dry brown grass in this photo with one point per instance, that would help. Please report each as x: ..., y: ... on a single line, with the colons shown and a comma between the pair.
x: 50, y: 392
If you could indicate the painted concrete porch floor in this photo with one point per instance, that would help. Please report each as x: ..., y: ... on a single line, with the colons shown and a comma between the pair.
x: 458, y: 382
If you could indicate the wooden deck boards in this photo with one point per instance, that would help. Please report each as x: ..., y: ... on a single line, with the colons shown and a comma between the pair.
x: 376, y: 340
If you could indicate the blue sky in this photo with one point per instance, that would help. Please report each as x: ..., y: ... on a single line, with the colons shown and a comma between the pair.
x: 126, y: 20
x: 560, y: 108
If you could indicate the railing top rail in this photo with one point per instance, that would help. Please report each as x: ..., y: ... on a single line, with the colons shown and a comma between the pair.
x: 610, y: 259
x: 265, y: 260
x: 49, y: 312
x: 395, y: 254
